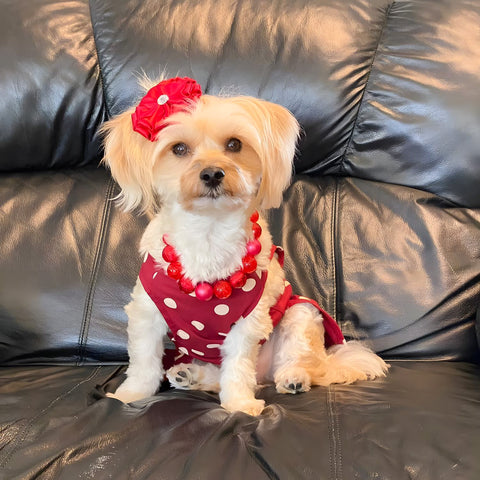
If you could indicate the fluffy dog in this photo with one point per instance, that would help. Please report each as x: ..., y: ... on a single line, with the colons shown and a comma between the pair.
x: 206, y: 165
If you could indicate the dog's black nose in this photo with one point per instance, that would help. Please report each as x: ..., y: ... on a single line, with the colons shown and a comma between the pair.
x: 212, y: 176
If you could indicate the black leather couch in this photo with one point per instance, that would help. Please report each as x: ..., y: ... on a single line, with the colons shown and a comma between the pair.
x: 381, y: 225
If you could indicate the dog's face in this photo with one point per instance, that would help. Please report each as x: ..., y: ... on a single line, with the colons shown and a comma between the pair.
x: 221, y: 153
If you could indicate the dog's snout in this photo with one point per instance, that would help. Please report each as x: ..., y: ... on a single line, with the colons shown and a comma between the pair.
x: 212, y: 176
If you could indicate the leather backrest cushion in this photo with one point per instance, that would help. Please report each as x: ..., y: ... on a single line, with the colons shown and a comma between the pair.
x: 51, y: 102
x: 68, y: 262
x: 311, y: 57
x: 394, y: 265
x: 420, y: 117
x: 384, y: 90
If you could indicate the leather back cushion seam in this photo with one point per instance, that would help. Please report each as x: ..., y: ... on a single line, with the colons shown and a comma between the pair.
x: 99, y: 249
x: 365, y: 88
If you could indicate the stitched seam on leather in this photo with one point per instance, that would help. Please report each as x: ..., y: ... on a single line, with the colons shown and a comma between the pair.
x: 339, y: 439
x: 335, y: 445
x: 360, y: 105
x: 331, y: 432
x: 21, y: 437
x: 100, y: 68
x: 333, y: 260
x: 87, y: 311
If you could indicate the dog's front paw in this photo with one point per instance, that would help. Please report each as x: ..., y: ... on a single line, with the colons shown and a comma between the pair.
x: 252, y: 407
x: 191, y: 376
x: 131, y: 391
x: 127, y: 396
x: 183, y: 376
x: 294, y: 380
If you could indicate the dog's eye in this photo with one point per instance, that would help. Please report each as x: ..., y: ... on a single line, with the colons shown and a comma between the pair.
x: 180, y: 149
x: 234, y: 145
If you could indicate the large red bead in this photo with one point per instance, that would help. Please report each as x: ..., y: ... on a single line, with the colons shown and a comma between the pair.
x: 222, y: 289
x: 254, y: 247
x: 257, y: 230
x: 169, y: 254
x: 204, y: 291
x: 254, y: 217
x: 249, y: 264
x: 186, y: 285
x: 174, y: 270
x: 238, y: 279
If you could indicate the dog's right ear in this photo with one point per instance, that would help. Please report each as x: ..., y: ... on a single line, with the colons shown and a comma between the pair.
x: 131, y: 158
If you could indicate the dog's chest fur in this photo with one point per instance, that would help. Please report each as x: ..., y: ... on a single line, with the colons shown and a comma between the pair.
x: 210, y: 248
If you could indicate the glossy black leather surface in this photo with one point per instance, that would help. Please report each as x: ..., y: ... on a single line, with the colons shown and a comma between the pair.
x: 420, y: 422
x: 51, y: 97
x: 394, y: 262
x: 381, y: 225
x: 418, y: 120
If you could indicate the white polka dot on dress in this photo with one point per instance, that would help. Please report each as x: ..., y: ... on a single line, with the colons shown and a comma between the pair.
x: 249, y: 285
x: 198, y: 352
x: 183, y: 335
x: 170, y: 303
x: 183, y: 350
x: 198, y: 325
x: 221, y: 309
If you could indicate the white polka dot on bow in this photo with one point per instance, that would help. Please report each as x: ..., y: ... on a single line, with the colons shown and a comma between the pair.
x: 162, y: 99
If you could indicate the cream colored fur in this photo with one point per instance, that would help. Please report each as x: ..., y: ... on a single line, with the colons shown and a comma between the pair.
x: 210, y: 235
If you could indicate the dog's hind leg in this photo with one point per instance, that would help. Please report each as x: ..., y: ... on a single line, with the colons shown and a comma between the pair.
x: 301, y: 360
x: 299, y: 352
x: 195, y: 376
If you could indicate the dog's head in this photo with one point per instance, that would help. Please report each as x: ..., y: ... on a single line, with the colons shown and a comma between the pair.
x: 216, y: 152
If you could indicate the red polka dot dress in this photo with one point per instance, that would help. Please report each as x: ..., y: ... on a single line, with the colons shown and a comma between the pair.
x: 198, y: 328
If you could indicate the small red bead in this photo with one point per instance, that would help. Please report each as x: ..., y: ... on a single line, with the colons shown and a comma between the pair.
x: 257, y: 230
x: 222, y: 289
x: 204, y: 291
x: 186, y: 285
x: 238, y: 279
x: 174, y: 270
x: 254, y: 247
x: 169, y: 254
x: 249, y: 264
x: 254, y: 217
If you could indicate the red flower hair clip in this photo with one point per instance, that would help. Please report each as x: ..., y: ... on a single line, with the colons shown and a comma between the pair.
x: 168, y: 97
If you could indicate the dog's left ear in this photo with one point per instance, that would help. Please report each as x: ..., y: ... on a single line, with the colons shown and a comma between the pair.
x: 279, y: 131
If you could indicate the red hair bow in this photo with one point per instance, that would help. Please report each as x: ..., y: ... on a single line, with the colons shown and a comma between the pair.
x: 168, y: 97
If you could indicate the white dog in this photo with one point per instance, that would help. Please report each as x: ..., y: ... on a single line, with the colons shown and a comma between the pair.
x: 211, y: 279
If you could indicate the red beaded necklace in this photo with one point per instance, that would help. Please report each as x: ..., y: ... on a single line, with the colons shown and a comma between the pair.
x: 221, y: 288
